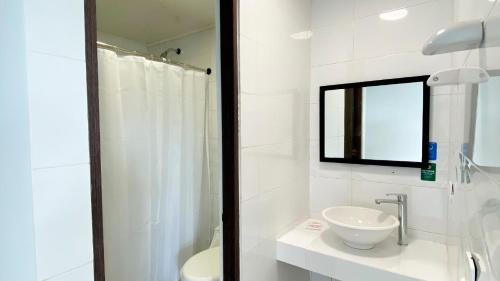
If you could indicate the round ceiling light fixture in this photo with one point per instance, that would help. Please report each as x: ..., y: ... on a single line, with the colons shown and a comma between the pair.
x: 394, y: 15
x: 303, y: 35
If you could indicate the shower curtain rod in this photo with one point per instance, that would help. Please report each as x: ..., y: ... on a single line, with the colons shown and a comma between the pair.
x: 208, y: 71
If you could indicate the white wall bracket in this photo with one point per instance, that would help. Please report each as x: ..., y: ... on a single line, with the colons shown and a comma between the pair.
x: 455, y: 76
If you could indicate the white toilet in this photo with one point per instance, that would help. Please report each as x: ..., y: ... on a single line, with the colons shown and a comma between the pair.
x: 205, y: 265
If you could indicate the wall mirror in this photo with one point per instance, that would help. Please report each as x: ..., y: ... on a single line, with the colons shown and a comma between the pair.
x: 384, y: 122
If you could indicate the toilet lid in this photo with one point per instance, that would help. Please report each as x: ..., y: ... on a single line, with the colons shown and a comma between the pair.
x: 203, y: 266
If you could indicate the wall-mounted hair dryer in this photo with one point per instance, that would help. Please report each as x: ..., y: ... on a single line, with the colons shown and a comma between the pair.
x: 464, y: 36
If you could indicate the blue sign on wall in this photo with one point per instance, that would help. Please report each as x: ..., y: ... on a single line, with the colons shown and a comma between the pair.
x: 433, y: 150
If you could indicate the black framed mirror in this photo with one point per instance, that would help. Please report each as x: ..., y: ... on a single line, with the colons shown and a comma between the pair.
x: 383, y: 122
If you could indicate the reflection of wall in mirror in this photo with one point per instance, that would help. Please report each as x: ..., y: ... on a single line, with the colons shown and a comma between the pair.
x: 334, y: 123
x: 487, y: 134
x: 392, y: 122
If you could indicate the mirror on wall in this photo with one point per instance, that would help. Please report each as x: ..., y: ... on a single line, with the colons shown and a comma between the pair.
x: 383, y: 122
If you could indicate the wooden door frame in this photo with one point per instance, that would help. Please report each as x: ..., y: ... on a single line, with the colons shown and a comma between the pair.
x: 228, y: 26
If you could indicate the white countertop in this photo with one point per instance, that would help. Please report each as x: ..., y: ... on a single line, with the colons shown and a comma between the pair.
x: 319, y: 250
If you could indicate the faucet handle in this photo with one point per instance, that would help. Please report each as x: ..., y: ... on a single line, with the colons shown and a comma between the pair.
x: 402, y: 197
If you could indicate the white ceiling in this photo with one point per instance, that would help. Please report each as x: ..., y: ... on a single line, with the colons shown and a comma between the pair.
x: 149, y: 21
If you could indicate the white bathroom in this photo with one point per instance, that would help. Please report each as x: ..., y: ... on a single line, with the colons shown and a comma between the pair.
x: 253, y: 140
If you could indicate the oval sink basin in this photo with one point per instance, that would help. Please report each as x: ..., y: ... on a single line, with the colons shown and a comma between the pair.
x: 359, y: 227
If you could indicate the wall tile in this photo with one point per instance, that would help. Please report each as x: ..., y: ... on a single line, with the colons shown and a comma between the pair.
x: 56, y: 29
x: 331, y: 12
x: 58, y: 111
x: 429, y: 236
x: 314, y: 122
x: 249, y: 174
x: 471, y: 10
x: 271, y: 204
x: 260, y: 263
x: 458, y: 104
x: 332, y: 44
x: 249, y: 27
x: 440, y: 118
x: 408, y: 34
x: 83, y: 273
x: 62, y: 218
x: 274, y: 126
x: 275, y: 172
x: 251, y: 219
x: 328, y: 192
x: 268, y: 119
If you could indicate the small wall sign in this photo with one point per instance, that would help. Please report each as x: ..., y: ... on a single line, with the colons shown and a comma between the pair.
x: 433, y: 151
x: 429, y: 173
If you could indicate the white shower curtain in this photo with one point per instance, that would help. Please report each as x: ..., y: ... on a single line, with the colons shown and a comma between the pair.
x: 154, y: 167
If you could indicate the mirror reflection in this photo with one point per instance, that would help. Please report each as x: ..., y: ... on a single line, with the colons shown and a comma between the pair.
x: 380, y: 122
x: 160, y: 144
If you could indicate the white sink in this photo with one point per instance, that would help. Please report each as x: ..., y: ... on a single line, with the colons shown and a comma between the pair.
x: 359, y: 227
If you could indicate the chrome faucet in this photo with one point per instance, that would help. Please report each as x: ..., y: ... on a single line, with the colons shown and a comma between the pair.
x: 402, y: 202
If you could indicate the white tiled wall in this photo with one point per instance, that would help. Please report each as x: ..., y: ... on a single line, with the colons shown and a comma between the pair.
x: 55, y: 41
x: 274, y: 77
x: 62, y: 219
x: 17, y: 256
x: 351, y: 44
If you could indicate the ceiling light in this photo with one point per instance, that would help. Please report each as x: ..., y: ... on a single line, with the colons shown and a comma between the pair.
x: 394, y: 15
x: 303, y: 35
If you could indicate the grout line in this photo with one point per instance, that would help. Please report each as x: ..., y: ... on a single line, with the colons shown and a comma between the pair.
x: 417, y: 231
x: 56, y: 55
x: 61, y: 166
x: 438, y: 187
x: 68, y: 271
x: 176, y: 37
x: 363, y: 59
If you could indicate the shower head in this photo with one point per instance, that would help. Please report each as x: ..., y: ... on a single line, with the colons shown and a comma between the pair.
x: 177, y: 51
